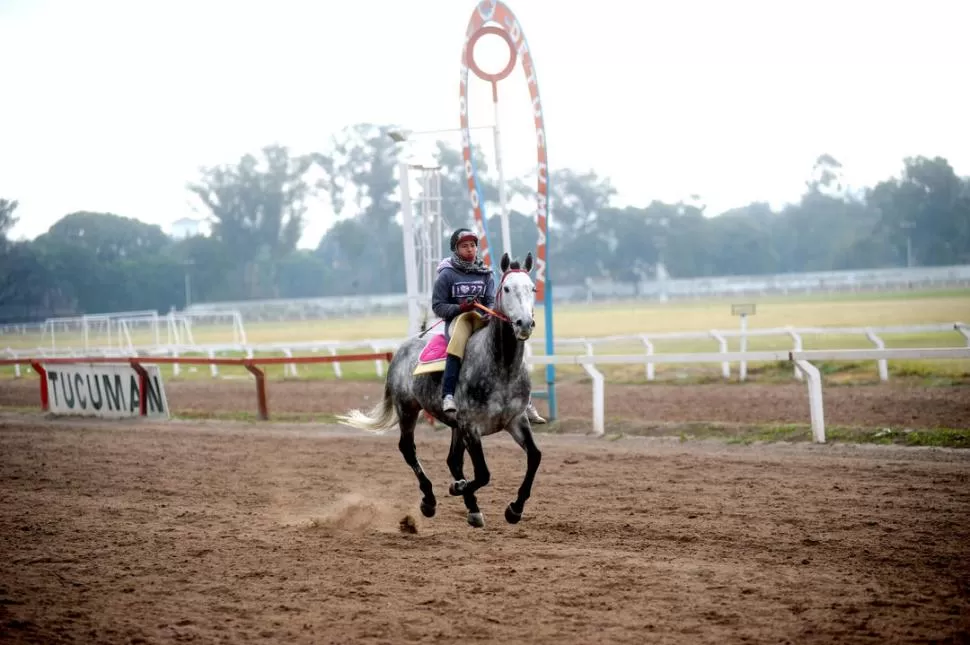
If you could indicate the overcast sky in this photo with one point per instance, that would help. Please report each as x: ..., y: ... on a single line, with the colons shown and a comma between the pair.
x: 113, y: 105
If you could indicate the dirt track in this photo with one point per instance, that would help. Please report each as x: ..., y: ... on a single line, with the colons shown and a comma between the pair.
x: 227, y: 532
x: 224, y: 532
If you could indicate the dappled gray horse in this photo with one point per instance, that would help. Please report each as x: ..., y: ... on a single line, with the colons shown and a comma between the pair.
x: 492, y: 394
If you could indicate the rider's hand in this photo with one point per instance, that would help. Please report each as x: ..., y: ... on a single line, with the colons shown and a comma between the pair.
x: 467, y: 305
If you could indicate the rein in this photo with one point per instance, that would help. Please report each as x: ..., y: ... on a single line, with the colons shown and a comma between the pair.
x: 491, y: 312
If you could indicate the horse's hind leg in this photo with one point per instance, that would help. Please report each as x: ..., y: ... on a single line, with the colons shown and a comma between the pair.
x: 408, y: 419
x: 471, y: 441
x: 521, y: 431
x: 456, y: 457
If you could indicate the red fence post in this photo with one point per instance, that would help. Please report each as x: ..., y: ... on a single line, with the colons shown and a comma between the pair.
x: 142, y: 386
x: 45, y: 401
x: 260, y: 389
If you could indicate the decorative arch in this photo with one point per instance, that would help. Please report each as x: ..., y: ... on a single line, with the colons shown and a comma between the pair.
x: 495, y: 17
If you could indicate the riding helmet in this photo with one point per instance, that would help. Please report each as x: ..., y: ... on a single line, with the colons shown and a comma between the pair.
x: 460, y: 236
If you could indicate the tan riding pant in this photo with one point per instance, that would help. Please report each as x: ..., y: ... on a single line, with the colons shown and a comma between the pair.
x: 461, y: 329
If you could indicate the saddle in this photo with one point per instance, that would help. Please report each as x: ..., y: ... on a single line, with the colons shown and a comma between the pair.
x: 432, y: 358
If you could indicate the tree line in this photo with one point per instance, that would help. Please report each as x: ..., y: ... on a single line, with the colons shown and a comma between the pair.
x: 99, y: 262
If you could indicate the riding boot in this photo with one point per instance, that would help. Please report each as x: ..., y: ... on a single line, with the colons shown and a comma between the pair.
x: 533, y: 414
x: 448, y: 383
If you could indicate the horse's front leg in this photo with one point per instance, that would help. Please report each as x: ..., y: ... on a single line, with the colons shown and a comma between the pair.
x: 521, y: 431
x: 468, y: 439
x: 407, y: 420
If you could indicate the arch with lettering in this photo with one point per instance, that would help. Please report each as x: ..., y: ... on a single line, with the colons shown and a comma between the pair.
x: 494, y: 16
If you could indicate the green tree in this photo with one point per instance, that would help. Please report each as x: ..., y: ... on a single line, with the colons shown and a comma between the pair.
x: 26, y: 289
x: 820, y: 231
x: 109, y: 237
x: 258, y: 207
x: 210, y: 265
x: 100, y: 262
x: 363, y: 181
x: 926, y: 209
x: 455, y: 201
x: 303, y: 274
x: 575, y: 243
x: 347, y: 251
x: 362, y: 166
x: 739, y: 242
x: 680, y: 236
x: 827, y: 177
x: 7, y: 219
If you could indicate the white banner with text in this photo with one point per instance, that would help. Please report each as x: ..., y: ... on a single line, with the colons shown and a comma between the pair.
x: 103, y: 390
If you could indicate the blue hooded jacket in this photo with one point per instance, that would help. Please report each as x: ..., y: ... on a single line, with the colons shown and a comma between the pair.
x: 453, y: 285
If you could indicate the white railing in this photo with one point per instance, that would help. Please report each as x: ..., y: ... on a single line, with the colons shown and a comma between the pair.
x: 796, y: 334
x: 801, y: 359
x: 873, y: 335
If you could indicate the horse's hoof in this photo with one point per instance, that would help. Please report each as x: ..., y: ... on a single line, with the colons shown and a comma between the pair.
x: 511, y: 516
x: 428, y: 510
x: 476, y: 519
x: 457, y: 488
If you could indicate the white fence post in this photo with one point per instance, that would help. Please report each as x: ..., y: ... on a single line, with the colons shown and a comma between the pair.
x: 814, y: 399
x: 291, y: 367
x: 336, y: 364
x: 743, y: 365
x: 883, y: 365
x: 16, y: 367
x: 213, y: 368
x: 650, y: 368
x: 599, y: 394
x: 797, y: 339
x: 964, y: 330
x: 379, y: 365
x: 725, y: 366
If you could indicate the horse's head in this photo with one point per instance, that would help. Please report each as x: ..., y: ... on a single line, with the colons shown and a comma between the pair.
x: 515, y: 297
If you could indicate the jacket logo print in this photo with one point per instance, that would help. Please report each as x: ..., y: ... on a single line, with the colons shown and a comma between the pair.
x: 467, y: 289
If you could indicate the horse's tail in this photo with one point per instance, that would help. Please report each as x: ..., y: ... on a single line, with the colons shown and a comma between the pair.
x: 381, y: 417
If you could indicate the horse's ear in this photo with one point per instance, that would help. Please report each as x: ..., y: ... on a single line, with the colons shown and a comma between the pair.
x: 528, y: 262
x: 505, y: 262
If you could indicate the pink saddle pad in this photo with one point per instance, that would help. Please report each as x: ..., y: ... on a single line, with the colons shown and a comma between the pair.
x: 435, y: 350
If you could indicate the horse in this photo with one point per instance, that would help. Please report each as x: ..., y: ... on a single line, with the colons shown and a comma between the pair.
x: 492, y: 394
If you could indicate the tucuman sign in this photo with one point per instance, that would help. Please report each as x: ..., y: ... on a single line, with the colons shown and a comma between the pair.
x: 103, y: 390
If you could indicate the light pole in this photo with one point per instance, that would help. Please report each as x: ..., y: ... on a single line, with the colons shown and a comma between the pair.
x: 188, y: 264
x: 401, y: 136
x: 660, y: 242
x: 908, y: 226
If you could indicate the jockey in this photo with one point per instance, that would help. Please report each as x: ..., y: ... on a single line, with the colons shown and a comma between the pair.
x: 462, y: 280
